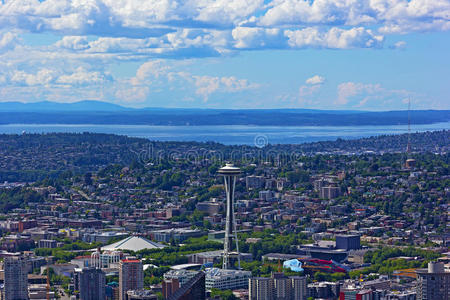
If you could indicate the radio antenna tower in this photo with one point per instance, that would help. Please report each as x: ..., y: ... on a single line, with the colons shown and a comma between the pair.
x: 229, y: 173
x: 408, y: 147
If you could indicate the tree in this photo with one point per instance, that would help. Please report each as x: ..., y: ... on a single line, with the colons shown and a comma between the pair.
x: 223, y: 295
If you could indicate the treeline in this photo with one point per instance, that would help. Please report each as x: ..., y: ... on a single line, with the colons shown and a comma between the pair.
x: 270, y: 241
x: 387, y: 260
x: 18, y: 197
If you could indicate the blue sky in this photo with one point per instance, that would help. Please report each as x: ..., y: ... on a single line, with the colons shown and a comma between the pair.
x: 325, y: 54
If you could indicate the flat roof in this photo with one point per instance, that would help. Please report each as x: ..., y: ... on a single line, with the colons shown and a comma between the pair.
x: 184, y: 266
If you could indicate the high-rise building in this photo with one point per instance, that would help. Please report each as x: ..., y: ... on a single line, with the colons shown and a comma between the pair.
x: 16, y: 278
x: 299, y: 290
x: 229, y: 173
x: 193, y: 289
x: 277, y: 287
x: 433, y: 283
x: 112, y: 291
x: 90, y: 283
x: 260, y: 288
x: 131, y: 276
x: 323, y: 290
x: 329, y: 192
x: 169, y: 287
x: 282, y: 286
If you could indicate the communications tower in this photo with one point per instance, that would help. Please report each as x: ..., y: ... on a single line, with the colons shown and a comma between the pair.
x: 229, y: 173
x: 408, y: 147
x: 410, y: 162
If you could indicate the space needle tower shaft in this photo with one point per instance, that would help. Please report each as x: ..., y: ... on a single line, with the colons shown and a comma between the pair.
x: 229, y: 172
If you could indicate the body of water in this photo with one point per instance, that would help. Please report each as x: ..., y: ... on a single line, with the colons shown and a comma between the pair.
x: 230, y: 134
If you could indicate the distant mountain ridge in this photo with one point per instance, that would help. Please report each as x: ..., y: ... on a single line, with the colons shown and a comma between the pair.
x: 97, y: 112
x: 47, y: 106
x: 101, y: 106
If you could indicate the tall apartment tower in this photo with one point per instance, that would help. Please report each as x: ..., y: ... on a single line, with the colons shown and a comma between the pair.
x: 90, y: 283
x: 229, y: 173
x: 433, y: 283
x: 261, y: 288
x: 299, y: 290
x: 282, y: 286
x: 16, y: 278
x: 131, y: 276
x: 277, y: 287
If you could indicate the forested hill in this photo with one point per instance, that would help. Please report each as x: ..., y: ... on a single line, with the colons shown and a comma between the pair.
x: 30, y: 157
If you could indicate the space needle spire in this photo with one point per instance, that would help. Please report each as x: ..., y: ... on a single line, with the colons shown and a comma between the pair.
x: 229, y: 173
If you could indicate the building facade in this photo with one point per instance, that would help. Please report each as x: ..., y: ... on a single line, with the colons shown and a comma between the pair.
x: 260, y: 288
x: 348, y: 241
x: 193, y: 289
x: 16, y: 278
x: 226, y: 279
x: 131, y: 276
x: 433, y: 283
x: 277, y: 287
x: 90, y: 283
x: 330, y: 192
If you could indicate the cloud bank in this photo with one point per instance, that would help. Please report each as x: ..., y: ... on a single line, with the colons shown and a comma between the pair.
x: 91, y: 35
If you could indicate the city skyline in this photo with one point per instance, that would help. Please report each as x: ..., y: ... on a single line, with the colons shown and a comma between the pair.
x: 365, y: 55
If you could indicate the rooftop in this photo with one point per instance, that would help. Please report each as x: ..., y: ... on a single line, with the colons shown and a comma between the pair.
x: 133, y: 243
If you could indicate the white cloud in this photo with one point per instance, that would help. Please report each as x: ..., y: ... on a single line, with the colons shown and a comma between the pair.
x: 401, y: 45
x: 97, y: 34
x: 394, y: 16
x: 316, y: 79
x: 42, y: 77
x: 257, y: 38
x: 8, y: 41
x: 131, y: 29
x: 158, y: 74
x: 130, y: 18
x: 81, y: 77
x: 150, y: 71
x: 225, y: 11
x: 207, y: 85
x: 360, y: 94
x: 73, y: 42
x: 307, y: 94
x: 233, y: 84
x: 335, y: 38
x: 134, y: 94
x: 329, y: 12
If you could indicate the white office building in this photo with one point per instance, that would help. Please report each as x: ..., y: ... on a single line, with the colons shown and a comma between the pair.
x: 226, y: 279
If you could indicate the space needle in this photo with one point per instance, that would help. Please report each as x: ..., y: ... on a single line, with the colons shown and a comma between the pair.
x: 229, y: 173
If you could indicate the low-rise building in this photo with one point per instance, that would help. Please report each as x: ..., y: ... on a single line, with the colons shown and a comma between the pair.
x: 226, y: 279
x: 176, y: 234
